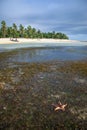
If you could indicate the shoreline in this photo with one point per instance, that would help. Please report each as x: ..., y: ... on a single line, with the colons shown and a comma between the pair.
x: 44, y: 42
x: 28, y: 40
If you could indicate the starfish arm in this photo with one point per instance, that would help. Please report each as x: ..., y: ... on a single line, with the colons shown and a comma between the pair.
x: 60, y: 103
x: 64, y: 105
x: 57, y: 108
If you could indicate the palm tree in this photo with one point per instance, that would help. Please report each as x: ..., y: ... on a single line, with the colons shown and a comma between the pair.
x: 3, y: 29
x: 29, y: 32
x: 21, y: 30
x: 33, y: 32
x: 39, y: 35
x: 15, y: 32
x: 25, y: 33
x: 53, y: 34
x: 9, y: 32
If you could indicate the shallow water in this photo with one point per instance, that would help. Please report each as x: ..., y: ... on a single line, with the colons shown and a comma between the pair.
x: 28, y: 90
x: 47, y: 54
x: 33, y: 45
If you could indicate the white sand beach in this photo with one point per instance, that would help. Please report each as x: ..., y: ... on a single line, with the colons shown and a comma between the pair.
x: 27, y: 40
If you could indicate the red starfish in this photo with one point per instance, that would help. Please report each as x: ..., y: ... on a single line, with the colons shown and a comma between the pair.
x: 59, y: 106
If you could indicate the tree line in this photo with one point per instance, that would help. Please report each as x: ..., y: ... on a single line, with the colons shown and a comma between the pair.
x: 21, y: 32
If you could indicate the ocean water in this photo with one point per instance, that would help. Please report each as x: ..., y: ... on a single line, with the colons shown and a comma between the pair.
x: 39, y: 85
x: 33, y: 45
x: 42, y: 54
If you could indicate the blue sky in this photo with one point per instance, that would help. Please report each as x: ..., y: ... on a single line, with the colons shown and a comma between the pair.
x: 66, y: 16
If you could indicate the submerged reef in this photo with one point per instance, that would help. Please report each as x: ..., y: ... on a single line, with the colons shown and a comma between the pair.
x: 28, y: 90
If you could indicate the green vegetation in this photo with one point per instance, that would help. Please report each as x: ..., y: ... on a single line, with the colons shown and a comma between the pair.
x: 29, y: 32
x: 3, y: 29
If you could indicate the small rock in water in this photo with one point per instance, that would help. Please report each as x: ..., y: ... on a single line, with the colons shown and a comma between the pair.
x: 79, y: 80
x: 4, y: 108
x: 41, y: 77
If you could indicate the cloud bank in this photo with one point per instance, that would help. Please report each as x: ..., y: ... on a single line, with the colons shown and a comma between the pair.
x: 67, y: 16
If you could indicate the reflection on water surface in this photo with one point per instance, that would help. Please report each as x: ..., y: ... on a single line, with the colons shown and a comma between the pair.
x: 48, y: 54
